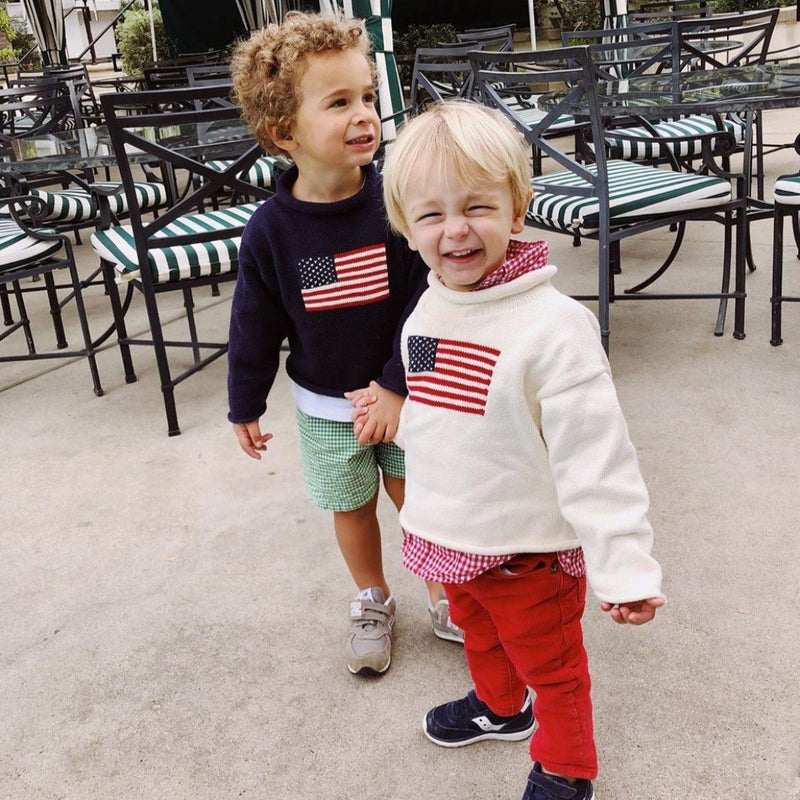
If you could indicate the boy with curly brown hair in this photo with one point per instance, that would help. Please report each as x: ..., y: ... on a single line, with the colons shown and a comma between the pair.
x: 319, y: 267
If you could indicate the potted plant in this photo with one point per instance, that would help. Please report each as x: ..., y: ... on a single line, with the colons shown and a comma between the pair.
x: 134, y: 41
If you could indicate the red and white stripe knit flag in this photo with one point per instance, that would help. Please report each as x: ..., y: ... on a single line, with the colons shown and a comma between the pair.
x: 450, y: 374
x: 355, y: 278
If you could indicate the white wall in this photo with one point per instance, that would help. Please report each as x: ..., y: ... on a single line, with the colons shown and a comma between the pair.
x: 77, y: 39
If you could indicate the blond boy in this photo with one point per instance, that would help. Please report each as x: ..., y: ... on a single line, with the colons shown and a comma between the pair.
x: 521, y: 477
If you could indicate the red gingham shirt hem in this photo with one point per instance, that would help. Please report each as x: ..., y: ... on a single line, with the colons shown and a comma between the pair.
x: 434, y: 562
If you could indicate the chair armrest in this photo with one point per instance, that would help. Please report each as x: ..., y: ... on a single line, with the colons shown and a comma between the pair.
x: 712, y: 144
x: 28, y: 211
x: 101, y: 193
x: 790, y: 53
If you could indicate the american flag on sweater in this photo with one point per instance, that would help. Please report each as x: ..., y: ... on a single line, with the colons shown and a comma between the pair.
x: 354, y: 278
x: 448, y: 373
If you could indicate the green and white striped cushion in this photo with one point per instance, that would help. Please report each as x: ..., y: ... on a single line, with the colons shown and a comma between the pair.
x: 530, y: 116
x: 636, y: 192
x: 262, y: 173
x: 690, y: 126
x: 78, y: 205
x: 19, y: 249
x: 171, y: 263
x: 787, y: 190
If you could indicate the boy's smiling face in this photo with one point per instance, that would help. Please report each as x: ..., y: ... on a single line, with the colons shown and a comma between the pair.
x: 337, y: 128
x: 461, y: 233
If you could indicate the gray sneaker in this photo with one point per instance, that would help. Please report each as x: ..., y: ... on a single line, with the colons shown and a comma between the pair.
x: 443, y: 626
x: 369, y: 641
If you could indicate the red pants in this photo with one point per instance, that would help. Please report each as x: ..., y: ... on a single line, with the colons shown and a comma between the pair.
x: 524, y: 629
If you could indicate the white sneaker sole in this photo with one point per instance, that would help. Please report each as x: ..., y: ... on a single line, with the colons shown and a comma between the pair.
x: 366, y: 669
x: 448, y: 636
x: 518, y: 736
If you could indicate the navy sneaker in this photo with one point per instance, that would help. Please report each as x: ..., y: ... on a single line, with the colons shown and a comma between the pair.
x: 548, y: 787
x: 469, y: 720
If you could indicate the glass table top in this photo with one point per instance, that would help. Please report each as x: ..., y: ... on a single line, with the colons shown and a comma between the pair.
x: 749, y: 88
x: 91, y: 147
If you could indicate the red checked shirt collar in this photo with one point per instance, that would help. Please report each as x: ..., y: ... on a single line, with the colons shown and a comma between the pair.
x: 521, y: 258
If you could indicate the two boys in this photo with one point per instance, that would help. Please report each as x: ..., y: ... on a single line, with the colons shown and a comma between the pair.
x: 522, y: 477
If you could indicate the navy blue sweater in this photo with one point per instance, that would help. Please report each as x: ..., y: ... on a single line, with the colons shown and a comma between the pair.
x: 333, y: 280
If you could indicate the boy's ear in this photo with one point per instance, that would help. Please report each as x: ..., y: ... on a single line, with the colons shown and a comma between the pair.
x: 282, y: 139
x: 411, y: 243
x: 518, y: 223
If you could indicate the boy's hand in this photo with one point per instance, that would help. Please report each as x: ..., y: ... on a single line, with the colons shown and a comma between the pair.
x: 376, y: 413
x: 360, y: 398
x: 634, y: 613
x: 251, y: 440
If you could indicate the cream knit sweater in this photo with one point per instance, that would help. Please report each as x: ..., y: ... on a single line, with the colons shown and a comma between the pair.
x: 515, y: 441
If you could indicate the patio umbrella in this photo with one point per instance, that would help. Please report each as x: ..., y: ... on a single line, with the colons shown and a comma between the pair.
x: 46, y: 18
x: 615, y: 14
x: 257, y: 13
x: 378, y: 17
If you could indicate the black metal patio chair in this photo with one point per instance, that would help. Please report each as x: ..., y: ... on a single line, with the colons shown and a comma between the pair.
x: 787, y: 204
x: 698, y: 44
x: 47, y: 106
x: 611, y: 200
x: 32, y: 259
x: 182, y: 249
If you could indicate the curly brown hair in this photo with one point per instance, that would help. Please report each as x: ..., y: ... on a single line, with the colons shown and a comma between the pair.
x: 267, y: 68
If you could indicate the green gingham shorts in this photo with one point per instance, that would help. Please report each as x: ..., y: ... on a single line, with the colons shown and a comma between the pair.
x: 340, y: 475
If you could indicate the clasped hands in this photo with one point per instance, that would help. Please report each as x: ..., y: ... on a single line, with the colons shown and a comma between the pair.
x: 376, y: 413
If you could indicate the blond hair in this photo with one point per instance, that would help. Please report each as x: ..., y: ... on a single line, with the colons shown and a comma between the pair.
x: 477, y: 142
x: 267, y: 68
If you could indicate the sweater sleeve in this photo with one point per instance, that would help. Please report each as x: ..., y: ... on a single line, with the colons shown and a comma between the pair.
x: 258, y: 326
x: 393, y: 376
x: 600, y: 489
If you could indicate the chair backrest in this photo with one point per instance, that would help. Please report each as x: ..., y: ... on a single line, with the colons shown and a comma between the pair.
x: 47, y: 105
x: 500, y: 37
x: 725, y: 41
x: 204, y: 57
x: 192, y: 131
x: 441, y: 73
x: 672, y: 10
x: 507, y: 28
x: 629, y: 33
x: 172, y: 76
x: 514, y: 82
x: 629, y: 51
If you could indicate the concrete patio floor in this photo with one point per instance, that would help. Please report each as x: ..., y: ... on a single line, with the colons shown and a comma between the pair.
x: 173, y: 613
